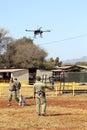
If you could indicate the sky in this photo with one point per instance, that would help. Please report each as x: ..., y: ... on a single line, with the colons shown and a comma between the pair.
x: 67, y: 20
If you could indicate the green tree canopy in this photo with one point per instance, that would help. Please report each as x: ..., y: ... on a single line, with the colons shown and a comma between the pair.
x: 23, y: 53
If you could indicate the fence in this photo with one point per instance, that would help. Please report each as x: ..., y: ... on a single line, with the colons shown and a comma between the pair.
x: 60, y: 88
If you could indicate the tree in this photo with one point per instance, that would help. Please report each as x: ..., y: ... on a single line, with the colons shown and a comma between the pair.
x: 56, y: 61
x: 4, y: 40
x: 23, y: 53
x: 51, y: 63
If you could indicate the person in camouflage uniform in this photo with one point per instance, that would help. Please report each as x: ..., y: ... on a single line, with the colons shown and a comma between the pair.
x: 18, y: 86
x: 12, y: 92
x: 39, y: 93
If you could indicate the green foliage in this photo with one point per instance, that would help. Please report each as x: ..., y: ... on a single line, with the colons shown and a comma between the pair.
x: 23, y: 53
x: 51, y: 63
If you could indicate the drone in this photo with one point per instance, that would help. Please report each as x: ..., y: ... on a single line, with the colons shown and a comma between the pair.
x: 37, y: 32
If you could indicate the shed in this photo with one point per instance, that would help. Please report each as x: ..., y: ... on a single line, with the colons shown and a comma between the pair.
x: 76, y: 73
x: 20, y: 74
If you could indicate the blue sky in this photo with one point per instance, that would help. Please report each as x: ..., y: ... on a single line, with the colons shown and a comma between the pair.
x: 67, y: 20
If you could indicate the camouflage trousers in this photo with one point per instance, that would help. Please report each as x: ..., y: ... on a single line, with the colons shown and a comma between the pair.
x: 40, y: 105
x: 12, y: 94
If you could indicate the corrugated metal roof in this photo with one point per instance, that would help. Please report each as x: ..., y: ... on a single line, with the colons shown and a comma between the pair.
x: 70, y: 67
x: 82, y: 66
x: 57, y: 70
x: 10, y: 70
x: 63, y: 67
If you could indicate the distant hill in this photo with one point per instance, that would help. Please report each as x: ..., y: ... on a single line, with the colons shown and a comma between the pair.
x: 73, y: 61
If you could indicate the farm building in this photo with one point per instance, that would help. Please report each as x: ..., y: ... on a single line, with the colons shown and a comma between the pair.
x: 72, y: 73
x: 77, y: 73
x: 21, y: 74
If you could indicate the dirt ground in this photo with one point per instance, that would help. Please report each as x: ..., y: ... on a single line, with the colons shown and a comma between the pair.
x: 64, y: 112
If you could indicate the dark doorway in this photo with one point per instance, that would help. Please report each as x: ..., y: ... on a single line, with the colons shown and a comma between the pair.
x: 32, y: 75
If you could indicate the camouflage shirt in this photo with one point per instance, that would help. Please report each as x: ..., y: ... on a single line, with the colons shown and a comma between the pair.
x: 12, y: 86
x: 39, y: 86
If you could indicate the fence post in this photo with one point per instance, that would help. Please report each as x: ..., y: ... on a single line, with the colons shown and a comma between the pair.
x: 60, y: 88
x: 0, y: 91
x: 57, y: 89
x: 73, y: 86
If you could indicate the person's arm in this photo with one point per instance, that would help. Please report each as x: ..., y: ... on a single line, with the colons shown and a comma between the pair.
x: 49, y: 88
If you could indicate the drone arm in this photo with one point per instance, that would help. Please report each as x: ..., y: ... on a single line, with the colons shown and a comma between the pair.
x: 29, y: 30
x: 47, y: 31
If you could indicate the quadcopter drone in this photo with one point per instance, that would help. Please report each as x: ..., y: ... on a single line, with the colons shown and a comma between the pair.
x: 37, y: 32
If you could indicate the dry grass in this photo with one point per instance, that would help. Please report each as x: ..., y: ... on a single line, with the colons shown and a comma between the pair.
x: 64, y: 112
